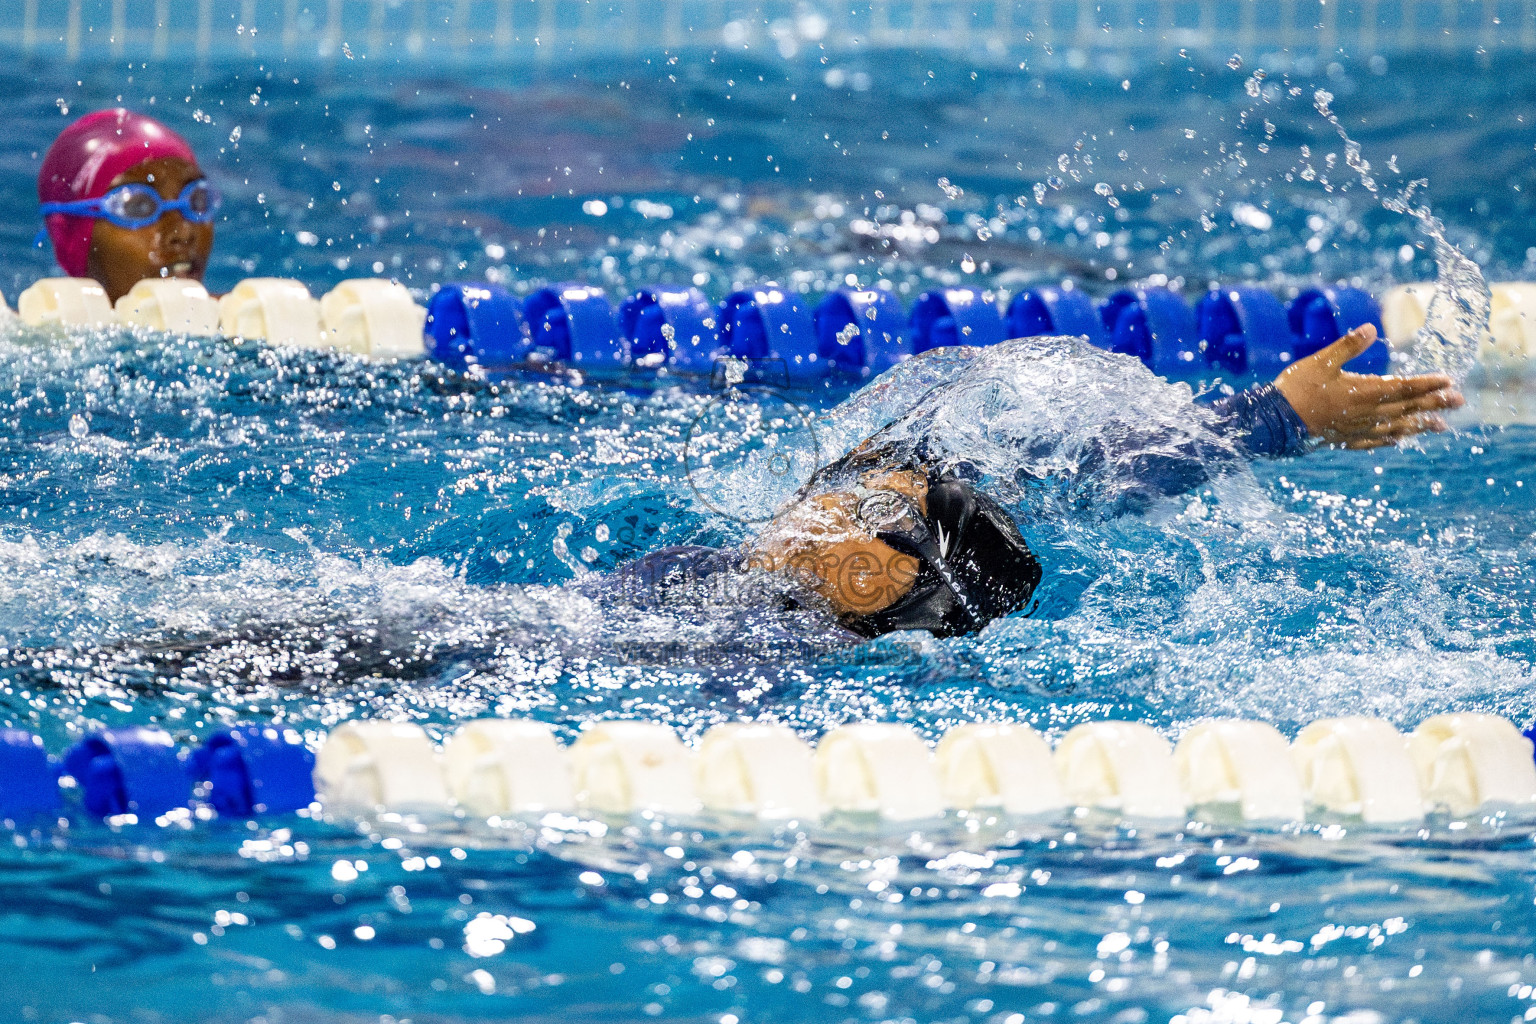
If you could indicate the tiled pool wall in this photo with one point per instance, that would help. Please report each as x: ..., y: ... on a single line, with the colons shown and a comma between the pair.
x: 541, y: 30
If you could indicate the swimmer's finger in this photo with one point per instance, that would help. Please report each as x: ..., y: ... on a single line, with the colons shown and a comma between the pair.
x: 1384, y: 430
x: 1349, y: 346
x: 1394, y: 430
x: 1392, y: 389
x: 1414, y: 423
x: 1435, y: 401
x: 1385, y: 440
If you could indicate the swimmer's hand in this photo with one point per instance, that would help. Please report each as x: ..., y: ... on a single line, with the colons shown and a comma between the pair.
x: 1358, y: 410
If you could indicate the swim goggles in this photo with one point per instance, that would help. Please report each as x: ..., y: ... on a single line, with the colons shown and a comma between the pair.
x: 136, y: 205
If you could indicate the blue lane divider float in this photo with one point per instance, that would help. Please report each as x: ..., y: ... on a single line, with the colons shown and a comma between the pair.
x: 1052, y: 311
x: 669, y: 327
x: 1245, y: 331
x: 861, y: 333
x: 954, y: 316
x: 1156, y: 326
x: 855, y: 334
x: 1318, y: 316
x: 256, y: 770
x: 770, y: 325
x: 29, y: 785
x: 572, y: 325
x: 479, y: 324
x: 129, y: 771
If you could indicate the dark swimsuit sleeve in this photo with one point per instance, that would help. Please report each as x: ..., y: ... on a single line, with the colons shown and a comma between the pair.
x: 649, y: 580
x: 1262, y: 422
x: 1135, y: 467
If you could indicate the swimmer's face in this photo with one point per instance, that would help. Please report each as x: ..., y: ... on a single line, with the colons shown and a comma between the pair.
x: 171, y: 247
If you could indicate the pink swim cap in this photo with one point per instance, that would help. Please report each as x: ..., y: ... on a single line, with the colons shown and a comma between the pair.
x: 81, y: 164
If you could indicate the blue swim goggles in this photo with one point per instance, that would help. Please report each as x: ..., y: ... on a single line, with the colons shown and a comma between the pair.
x: 136, y: 205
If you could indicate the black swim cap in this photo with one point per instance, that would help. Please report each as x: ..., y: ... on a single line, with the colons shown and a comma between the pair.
x: 976, y: 566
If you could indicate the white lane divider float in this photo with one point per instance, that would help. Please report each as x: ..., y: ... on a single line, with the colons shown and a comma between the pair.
x: 626, y: 766
x: 368, y: 316
x: 1000, y: 767
x: 1120, y: 766
x: 758, y: 768
x: 276, y: 310
x: 508, y: 766
x: 170, y: 304
x: 1231, y: 761
x: 374, y: 317
x: 67, y: 302
x: 1359, y: 766
x: 1404, y: 309
x: 1510, y: 343
x: 366, y: 765
x: 880, y: 768
x: 1467, y: 760
x: 1511, y: 340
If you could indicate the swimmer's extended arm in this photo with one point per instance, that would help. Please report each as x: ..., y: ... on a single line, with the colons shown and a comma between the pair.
x: 821, y: 539
x: 1315, y: 399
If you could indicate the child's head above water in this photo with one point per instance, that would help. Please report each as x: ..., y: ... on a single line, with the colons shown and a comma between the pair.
x: 124, y: 199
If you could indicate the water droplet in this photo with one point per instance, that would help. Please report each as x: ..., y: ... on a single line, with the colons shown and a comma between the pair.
x: 1055, y: 182
x: 78, y: 427
x: 1104, y: 189
x: 1235, y: 62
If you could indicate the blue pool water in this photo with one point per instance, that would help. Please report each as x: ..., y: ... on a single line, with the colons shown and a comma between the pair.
x: 198, y: 533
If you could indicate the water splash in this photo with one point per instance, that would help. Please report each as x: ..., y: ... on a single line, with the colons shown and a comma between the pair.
x: 1045, y: 420
x: 1457, y: 318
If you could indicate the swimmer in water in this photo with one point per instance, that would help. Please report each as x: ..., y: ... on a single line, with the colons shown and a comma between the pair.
x: 123, y: 199
x: 895, y: 535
